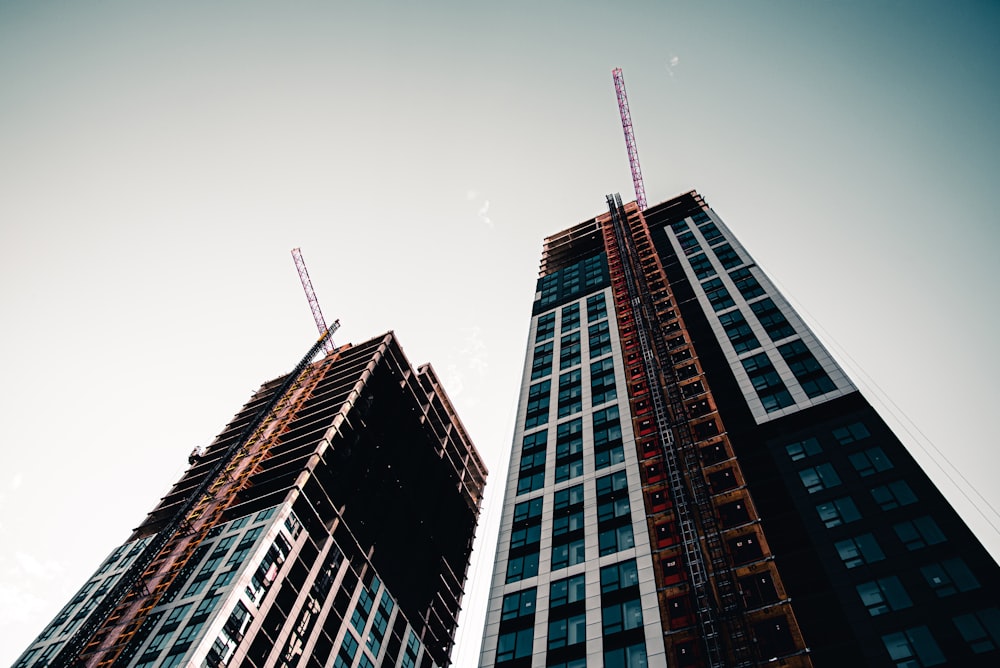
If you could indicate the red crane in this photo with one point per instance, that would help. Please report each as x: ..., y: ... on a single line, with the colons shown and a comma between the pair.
x: 300, y: 265
x: 633, y: 155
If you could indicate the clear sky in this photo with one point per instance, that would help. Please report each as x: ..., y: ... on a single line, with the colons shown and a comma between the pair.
x: 159, y: 160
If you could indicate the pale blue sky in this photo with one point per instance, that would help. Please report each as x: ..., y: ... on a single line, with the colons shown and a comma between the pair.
x: 159, y: 160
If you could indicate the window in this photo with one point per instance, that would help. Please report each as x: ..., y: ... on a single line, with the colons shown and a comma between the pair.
x: 850, y: 433
x: 772, y: 319
x: 870, y: 461
x: 531, y: 475
x: 621, y: 616
x: 515, y: 644
x: 816, y: 478
x: 569, y: 450
x: 596, y: 308
x: 570, y: 393
x: 524, y: 566
x: 567, y: 523
x: 622, y: 575
x: 608, y: 447
x: 980, y: 630
x: 569, y: 350
x: 739, y: 332
x: 546, y: 328
x: 568, y: 631
x: 633, y: 656
x: 949, y: 577
x: 882, y: 596
x: 538, y: 404
x: 803, y: 449
x: 566, y: 591
x: 527, y: 510
x: 525, y: 535
x: 837, y: 512
x: 746, y: 283
x: 568, y: 554
x: 711, y: 233
x: 615, y: 539
x: 519, y: 604
x: 717, y: 294
x: 758, y: 589
x: 803, y: 365
x: 689, y: 244
x: 893, y: 495
x: 702, y: 266
x: 541, y: 363
x: 863, y: 549
x: 679, y: 226
x: 570, y: 318
x: 600, y: 339
x: 745, y: 548
x: 595, y: 269
x: 567, y: 498
x: 919, y: 533
x: 913, y: 648
x: 602, y: 381
x: 771, y: 390
x: 727, y: 256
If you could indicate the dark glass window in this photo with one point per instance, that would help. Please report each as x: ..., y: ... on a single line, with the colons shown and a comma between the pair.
x: 689, y: 244
x: 727, y: 256
x: 528, y: 510
x: 913, y: 648
x: 949, y: 577
x: 746, y: 283
x: 850, y: 433
x: 538, y: 404
x: 566, y: 498
x: 893, y: 495
x: 570, y: 318
x: 919, y: 533
x: 599, y: 339
x: 863, y: 549
x: 531, y: 475
x: 569, y: 350
x: 739, y: 332
x: 602, y: 381
x: 541, y: 363
x: 702, y: 266
x: 822, y: 476
x: 633, y: 656
x: 546, y: 327
x: 884, y: 595
x: 567, y: 631
x: 569, y: 450
x: 621, y: 616
x: 711, y: 233
x: 515, y: 645
x: 758, y: 589
x: 837, y: 512
x: 615, y: 539
x: 771, y: 390
x: 870, y: 461
x: 802, y: 449
x: 568, y: 554
x: 597, y: 308
x: 519, y: 604
x: 570, y: 393
x: 803, y: 365
x: 717, y: 294
x: 608, y: 446
x: 679, y: 226
x: 521, y: 567
x: 772, y: 319
x: 622, y: 575
x: 980, y: 630
x: 566, y: 591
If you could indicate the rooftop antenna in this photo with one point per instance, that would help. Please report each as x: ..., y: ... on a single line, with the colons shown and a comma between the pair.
x: 633, y: 155
x: 300, y: 265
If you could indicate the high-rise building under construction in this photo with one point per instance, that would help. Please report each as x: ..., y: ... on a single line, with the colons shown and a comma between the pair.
x: 330, y: 524
x: 694, y: 481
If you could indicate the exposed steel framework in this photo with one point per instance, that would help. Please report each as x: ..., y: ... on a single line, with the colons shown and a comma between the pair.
x: 633, y: 154
x: 300, y: 265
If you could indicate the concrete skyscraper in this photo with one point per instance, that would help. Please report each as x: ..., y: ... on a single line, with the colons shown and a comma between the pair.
x: 694, y: 481
x: 329, y: 524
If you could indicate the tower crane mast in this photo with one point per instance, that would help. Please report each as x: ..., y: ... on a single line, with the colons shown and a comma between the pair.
x: 633, y: 154
x: 300, y: 265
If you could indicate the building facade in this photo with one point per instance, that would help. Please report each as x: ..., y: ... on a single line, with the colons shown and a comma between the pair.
x: 330, y: 524
x: 694, y: 481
